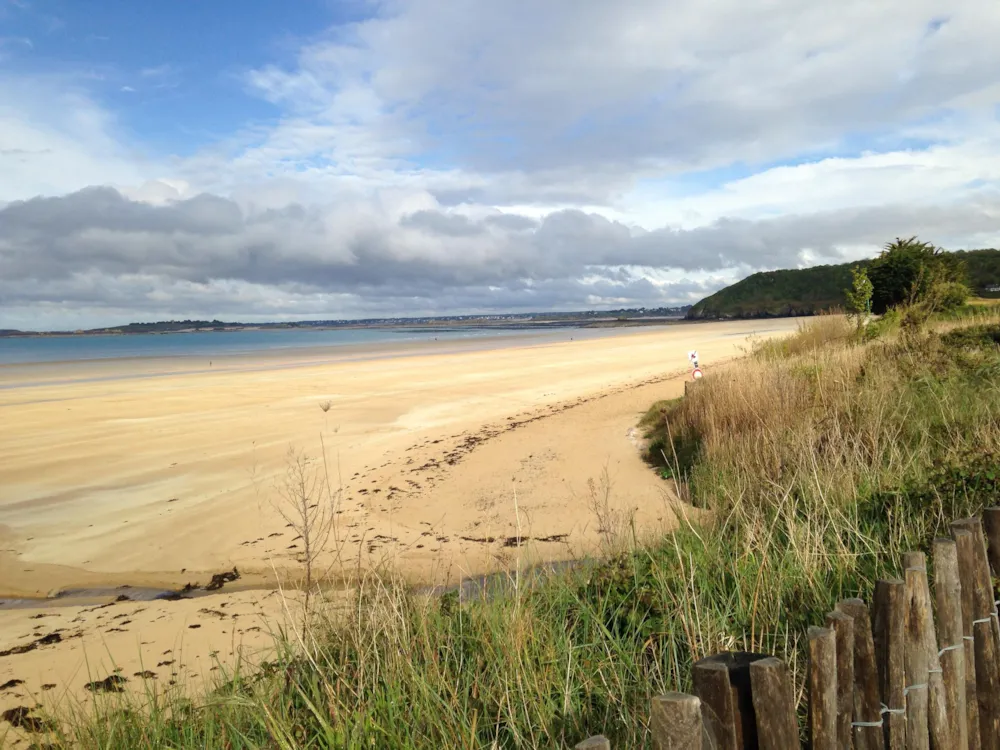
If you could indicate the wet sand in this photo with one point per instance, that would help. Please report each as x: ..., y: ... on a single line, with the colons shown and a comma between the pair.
x: 444, y: 461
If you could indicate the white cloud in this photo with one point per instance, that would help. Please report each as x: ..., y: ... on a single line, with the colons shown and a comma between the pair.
x: 643, y: 83
x: 55, y: 139
x: 943, y: 174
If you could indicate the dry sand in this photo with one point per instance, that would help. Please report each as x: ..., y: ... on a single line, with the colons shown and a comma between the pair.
x: 161, y: 473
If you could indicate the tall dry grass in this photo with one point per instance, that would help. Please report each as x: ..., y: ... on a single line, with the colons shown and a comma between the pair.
x: 830, y: 424
x: 811, y: 335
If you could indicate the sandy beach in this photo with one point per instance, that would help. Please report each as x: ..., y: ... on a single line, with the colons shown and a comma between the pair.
x: 443, y: 460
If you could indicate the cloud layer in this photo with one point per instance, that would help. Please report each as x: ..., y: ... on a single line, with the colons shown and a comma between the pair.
x: 504, y: 155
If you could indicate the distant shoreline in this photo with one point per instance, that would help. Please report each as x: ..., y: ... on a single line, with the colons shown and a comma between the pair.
x: 304, y: 351
x: 570, y: 320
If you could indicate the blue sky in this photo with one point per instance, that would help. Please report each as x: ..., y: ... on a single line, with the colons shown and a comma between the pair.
x: 319, y: 159
x: 171, y: 72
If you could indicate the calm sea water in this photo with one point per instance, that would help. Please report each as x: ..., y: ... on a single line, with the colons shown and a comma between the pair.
x: 74, y: 348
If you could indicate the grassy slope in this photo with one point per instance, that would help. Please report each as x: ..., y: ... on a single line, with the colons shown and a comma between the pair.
x: 810, y: 290
x: 821, y: 460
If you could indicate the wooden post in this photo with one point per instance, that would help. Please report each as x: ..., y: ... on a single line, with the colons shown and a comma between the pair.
x: 890, y: 644
x: 968, y: 615
x: 718, y: 709
x: 987, y: 685
x: 948, y: 593
x: 917, y: 737
x: 867, y: 704
x: 774, y: 705
x: 722, y: 681
x: 598, y: 742
x: 973, y: 570
x: 823, y: 688
x: 975, y: 527
x: 843, y: 627
x: 925, y: 707
x: 675, y: 722
x: 939, y: 728
x: 991, y: 522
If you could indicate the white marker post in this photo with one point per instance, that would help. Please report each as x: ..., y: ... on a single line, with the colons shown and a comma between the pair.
x: 693, y: 359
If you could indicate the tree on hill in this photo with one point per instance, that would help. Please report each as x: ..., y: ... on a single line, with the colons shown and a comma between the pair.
x: 910, y: 271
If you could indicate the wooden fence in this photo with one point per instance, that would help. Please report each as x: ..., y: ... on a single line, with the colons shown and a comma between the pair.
x: 885, y: 677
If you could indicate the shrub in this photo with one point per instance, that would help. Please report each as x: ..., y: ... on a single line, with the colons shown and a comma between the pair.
x: 952, y: 295
x: 975, y: 337
x: 859, y: 296
x: 909, y: 271
x: 883, y: 326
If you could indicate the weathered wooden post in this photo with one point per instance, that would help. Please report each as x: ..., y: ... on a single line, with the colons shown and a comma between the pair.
x: 917, y: 737
x: 991, y: 522
x: 722, y: 681
x: 923, y: 641
x: 718, y: 701
x: 868, y: 720
x: 974, y: 573
x: 598, y: 742
x: 890, y: 646
x: 774, y: 705
x: 823, y: 688
x: 975, y: 527
x: 968, y: 615
x: 675, y: 722
x: 948, y: 593
x: 843, y: 627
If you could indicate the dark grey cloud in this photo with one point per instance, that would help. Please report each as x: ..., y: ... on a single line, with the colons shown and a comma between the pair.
x: 512, y: 222
x: 435, y: 222
x: 98, y: 248
x: 105, y: 208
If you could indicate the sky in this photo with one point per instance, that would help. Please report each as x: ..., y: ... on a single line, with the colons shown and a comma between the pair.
x: 322, y: 159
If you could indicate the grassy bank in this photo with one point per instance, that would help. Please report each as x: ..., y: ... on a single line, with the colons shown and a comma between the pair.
x: 820, y: 459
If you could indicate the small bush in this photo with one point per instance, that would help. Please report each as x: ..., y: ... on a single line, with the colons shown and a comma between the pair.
x: 973, y: 338
x: 975, y: 476
x: 888, y: 324
x: 952, y: 295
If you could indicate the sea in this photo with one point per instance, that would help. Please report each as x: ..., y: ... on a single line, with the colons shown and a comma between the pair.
x: 39, y: 349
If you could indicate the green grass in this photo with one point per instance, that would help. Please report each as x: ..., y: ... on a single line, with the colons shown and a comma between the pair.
x: 820, y: 460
